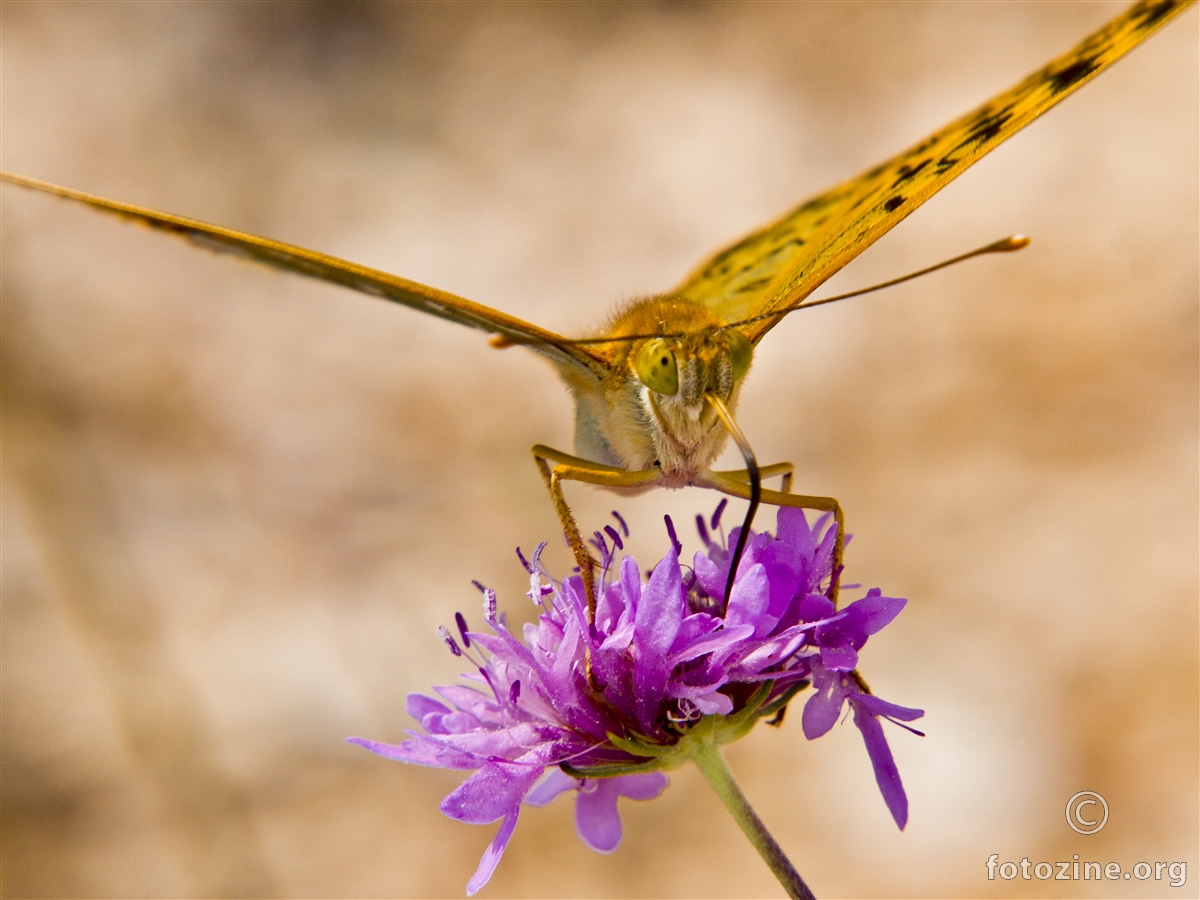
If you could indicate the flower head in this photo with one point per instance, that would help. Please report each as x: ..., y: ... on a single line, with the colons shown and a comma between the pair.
x: 605, y: 706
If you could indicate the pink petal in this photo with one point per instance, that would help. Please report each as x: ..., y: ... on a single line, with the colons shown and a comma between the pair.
x: 495, y: 850
x: 596, y: 819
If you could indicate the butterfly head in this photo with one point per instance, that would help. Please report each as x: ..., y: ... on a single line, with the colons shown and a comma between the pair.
x: 666, y: 354
x: 686, y: 367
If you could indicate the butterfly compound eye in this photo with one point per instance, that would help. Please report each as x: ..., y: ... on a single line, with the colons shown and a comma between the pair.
x: 741, y: 351
x: 656, y: 368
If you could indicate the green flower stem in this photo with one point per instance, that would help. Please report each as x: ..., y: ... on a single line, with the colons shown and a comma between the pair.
x: 712, y: 765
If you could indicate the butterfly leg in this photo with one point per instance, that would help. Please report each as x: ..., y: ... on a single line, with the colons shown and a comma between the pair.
x: 557, y: 467
x: 780, y: 468
x: 736, y: 485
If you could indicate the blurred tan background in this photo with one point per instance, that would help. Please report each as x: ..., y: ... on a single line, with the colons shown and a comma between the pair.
x: 237, y: 504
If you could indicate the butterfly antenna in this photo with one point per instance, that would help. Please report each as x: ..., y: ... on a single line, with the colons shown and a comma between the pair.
x: 739, y: 438
x: 1005, y: 245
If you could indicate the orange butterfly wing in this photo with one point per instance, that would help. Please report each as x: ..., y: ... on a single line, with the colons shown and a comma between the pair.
x: 366, y: 280
x: 776, y: 267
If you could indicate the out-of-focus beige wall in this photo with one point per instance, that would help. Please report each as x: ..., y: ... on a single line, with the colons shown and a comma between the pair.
x: 237, y: 504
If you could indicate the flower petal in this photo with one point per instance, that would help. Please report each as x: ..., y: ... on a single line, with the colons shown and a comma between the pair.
x: 878, y: 707
x: 841, y: 658
x: 495, y: 850
x: 654, y: 658
x: 491, y: 793
x: 749, y: 598
x: 656, y: 622
x: 820, y: 714
x: 715, y: 642
x: 421, y: 751
x: 825, y: 705
x: 791, y: 527
x: 815, y: 606
x: 555, y: 782
x: 887, y: 776
x: 418, y: 706
x: 597, y: 821
x: 876, y: 610
x: 709, y: 575
x: 642, y: 786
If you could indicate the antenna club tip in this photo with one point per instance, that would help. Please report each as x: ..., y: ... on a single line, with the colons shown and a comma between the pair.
x: 1017, y: 242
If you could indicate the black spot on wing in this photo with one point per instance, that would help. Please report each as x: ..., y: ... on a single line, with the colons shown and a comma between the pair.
x: 923, y: 147
x: 988, y: 127
x: 906, y: 172
x: 788, y: 246
x: 947, y: 162
x: 1072, y: 74
x: 724, y: 261
x: 1150, y: 14
x: 984, y: 128
x: 893, y: 203
x: 820, y: 202
x: 756, y: 284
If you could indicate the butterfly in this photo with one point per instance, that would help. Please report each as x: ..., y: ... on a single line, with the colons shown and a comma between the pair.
x: 657, y: 388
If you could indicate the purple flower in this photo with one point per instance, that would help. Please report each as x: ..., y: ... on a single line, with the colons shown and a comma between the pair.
x: 831, y: 690
x: 596, y: 819
x: 603, y: 708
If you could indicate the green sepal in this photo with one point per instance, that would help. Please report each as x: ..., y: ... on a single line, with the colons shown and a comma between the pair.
x: 783, y: 700
x: 639, y: 746
x: 612, y: 770
x: 750, y: 711
x: 708, y: 731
